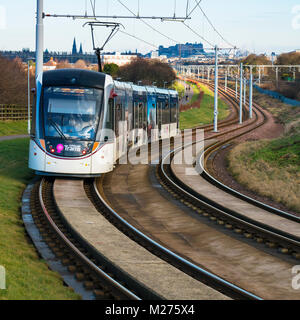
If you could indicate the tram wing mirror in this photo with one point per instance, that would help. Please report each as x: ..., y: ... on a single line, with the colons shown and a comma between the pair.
x: 105, y: 138
x: 33, y: 91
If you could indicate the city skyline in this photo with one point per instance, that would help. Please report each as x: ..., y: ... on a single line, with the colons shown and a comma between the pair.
x: 263, y: 23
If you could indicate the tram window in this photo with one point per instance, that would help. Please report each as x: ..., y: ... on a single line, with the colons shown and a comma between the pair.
x: 136, y: 115
x: 159, y: 112
x: 173, y: 112
x: 109, y: 123
x: 141, y: 115
x: 166, y: 114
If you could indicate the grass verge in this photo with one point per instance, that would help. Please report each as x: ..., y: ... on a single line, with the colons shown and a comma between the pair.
x: 272, y: 167
x: 27, y: 276
x: 9, y: 128
x: 205, y: 114
x: 179, y: 87
x: 196, y: 93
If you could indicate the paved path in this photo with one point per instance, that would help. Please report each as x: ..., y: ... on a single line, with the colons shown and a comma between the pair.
x: 189, y: 92
x: 20, y: 136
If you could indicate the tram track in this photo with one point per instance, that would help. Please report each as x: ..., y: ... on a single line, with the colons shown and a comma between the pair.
x: 88, y: 264
x: 231, y: 219
x: 82, y: 260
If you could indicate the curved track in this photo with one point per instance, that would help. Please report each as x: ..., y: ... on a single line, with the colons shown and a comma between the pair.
x: 81, y: 258
x: 262, y: 232
x: 109, y: 282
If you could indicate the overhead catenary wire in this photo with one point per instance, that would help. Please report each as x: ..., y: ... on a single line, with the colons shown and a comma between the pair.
x: 211, y: 24
x: 147, y: 24
x: 137, y: 38
x: 174, y: 8
x: 190, y: 13
x: 93, y: 7
x: 196, y: 33
x: 187, y: 7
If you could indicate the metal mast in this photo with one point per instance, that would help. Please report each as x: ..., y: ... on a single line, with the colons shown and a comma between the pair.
x: 216, y: 92
x: 39, y: 38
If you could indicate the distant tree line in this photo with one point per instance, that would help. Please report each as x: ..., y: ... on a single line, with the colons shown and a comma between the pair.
x: 13, y: 82
x: 285, y: 85
x: 282, y: 59
x: 148, y: 72
x: 143, y: 71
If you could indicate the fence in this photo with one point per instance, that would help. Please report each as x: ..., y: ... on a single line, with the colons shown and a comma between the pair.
x: 278, y: 96
x: 13, y: 112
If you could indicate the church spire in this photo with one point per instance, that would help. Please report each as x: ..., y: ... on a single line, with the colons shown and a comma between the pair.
x: 74, y: 49
x: 80, y: 50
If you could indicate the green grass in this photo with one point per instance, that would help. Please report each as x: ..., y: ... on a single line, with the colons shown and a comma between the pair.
x: 9, y: 128
x: 205, y: 114
x: 27, y: 276
x: 179, y: 87
x: 282, y: 153
x: 269, y: 167
x: 196, y: 93
x: 272, y: 167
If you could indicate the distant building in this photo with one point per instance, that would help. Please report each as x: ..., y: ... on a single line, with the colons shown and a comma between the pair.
x: 118, y: 58
x: 154, y: 54
x: 50, y: 65
x: 80, y: 50
x: 182, y: 50
x: 74, y: 48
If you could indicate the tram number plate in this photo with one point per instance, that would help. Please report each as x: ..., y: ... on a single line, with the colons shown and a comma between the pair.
x: 72, y: 148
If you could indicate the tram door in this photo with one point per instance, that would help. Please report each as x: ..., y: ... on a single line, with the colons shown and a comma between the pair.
x: 159, y: 116
x: 151, y: 117
x: 118, y: 124
x: 135, y: 121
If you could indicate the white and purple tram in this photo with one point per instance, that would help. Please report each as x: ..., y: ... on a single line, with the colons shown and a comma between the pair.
x: 80, y: 118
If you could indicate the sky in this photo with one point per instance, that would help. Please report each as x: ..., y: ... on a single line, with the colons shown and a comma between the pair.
x: 255, y: 25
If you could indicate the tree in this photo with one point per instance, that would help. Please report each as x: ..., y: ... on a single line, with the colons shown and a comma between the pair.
x: 289, y: 58
x: 111, y: 68
x: 254, y: 59
x: 147, y: 71
x: 80, y: 64
x: 63, y: 65
x: 13, y: 81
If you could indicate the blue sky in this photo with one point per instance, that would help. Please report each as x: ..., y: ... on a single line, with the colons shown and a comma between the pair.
x: 256, y: 25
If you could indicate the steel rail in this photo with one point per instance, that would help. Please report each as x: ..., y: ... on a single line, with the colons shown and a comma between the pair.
x: 213, y: 180
x: 189, y: 267
x: 277, y: 235
x: 119, y: 288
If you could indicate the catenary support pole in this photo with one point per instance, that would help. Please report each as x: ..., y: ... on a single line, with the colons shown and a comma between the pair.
x: 251, y: 94
x: 245, y: 90
x: 39, y: 38
x: 28, y: 88
x: 241, y: 94
x: 216, y: 91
